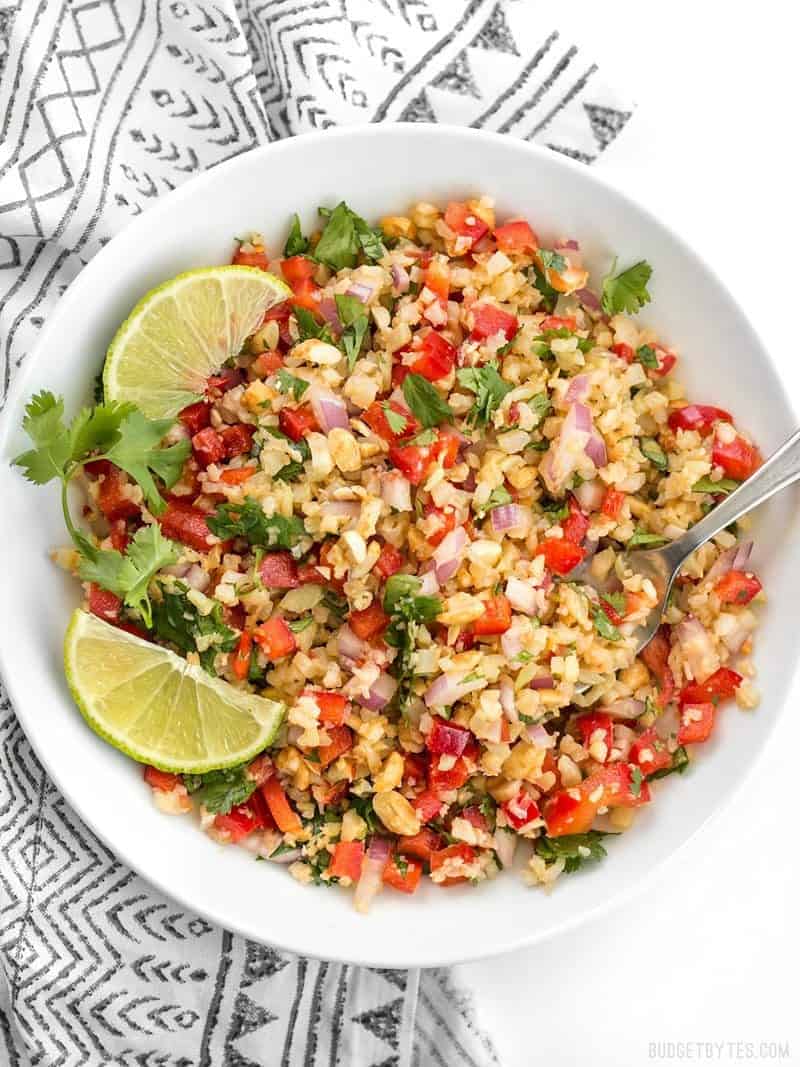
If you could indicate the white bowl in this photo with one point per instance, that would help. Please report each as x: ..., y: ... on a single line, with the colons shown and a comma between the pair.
x: 378, y: 170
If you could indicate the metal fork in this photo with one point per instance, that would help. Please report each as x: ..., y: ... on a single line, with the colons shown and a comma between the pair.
x: 661, y: 565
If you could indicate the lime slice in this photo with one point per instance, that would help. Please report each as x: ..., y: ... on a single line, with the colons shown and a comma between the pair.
x: 158, y: 708
x: 182, y: 332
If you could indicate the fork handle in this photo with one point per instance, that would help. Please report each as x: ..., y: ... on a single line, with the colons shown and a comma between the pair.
x: 780, y: 470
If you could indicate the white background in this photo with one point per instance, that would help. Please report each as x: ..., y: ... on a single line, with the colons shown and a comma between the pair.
x: 711, y: 951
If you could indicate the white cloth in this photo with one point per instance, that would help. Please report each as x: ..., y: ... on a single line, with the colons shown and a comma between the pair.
x: 104, y: 106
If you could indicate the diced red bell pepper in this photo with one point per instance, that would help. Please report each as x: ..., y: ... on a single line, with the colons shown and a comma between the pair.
x: 256, y: 257
x: 332, y: 706
x: 655, y: 656
x: 238, y: 439
x: 619, y: 787
x: 228, y: 378
x: 208, y: 447
x: 196, y: 417
x: 112, y: 498
x: 699, y: 417
x: 612, y: 503
x: 239, y: 822
x: 370, y: 622
x: 488, y: 320
x: 696, y: 723
x: 722, y: 685
x: 104, y: 604
x: 259, y: 769
x: 237, y: 475
x: 496, y: 618
x: 234, y: 616
x: 576, y: 524
x: 649, y: 753
x: 266, y: 363
x: 375, y: 418
x: 240, y: 660
x: 427, y: 805
x: 389, y: 561
x: 624, y: 351
x: 440, y: 781
x: 415, y: 768
x: 521, y: 810
x: 297, y: 422
x: 737, y: 587
x: 738, y: 458
x: 558, y: 322
x: 278, y: 570
x: 275, y: 638
x: 516, y: 236
x: 297, y: 270
x: 421, y: 845
x: 596, y: 726
x: 464, y: 222
x: 445, y: 522
x: 437, y: 357
x: 569, y: 811
x: 161, y: 780
x: 403, y: 874
x: 118, y: 535
x: 399, y: 374
x: 446, y: 448
x: 187, y: 524
x: 348, y: 857
x: 413, y: 461
x: 286, y: 818
x: 665, y: 359
x: 459, y: 851
x: 341, y: 741
x: 560, y: 556
x: 437, y: 279
x: 447, y: 738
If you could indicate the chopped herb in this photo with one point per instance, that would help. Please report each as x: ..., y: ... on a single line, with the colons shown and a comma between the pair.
x: 644, y: 537
x: 652, y: 450
x: 219, y: 791
x: 538, y: 446
x: 574, y: 849
x: 524, y: 656
x: 308, y: 327
x: 344, y: 237
x: 282, y: 849
x: 636, y: 781
x: 541, y: 406
x: 489, y: 389
x: 177, y: 621
x: 298, y: 625
x: 720, y: 488
x: 425, y: 401
x: 424, y: 438
x: 497, y: 498
x: 529, y: 720
x: 353, y: 317
x: 396, y: 420
x: 554, y: 509
x: 552, y: 260
x: 98, y: 389
x: 616, y: 601
x: 647, y: 356
x: 362, y: 806
x: 296, y: 244
x: 255, y: 672
x: 549, y: 294
x: 249, y: 520
x: 586, y: 344
x: 408, y: 610
x: 626, y: 291
x: 680, y: 763
x: 336, y: 605
x: 401, y: 863
x: 560, y: 333
x: 475, y: 676
x: 603, y: 624
x: 287, y: 383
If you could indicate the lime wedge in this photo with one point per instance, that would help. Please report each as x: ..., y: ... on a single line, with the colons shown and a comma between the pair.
x: 182, y: 332
x: 158, y: 708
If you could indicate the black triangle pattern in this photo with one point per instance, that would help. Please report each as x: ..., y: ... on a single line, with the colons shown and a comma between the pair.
x: 457, y: 77
x: 383, y: 1021
x: 261, y: 961
x: 495, y: 35
x: 418, y: 110
x: 606, y: 122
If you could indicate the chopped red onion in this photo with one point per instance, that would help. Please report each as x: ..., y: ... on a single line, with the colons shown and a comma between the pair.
x: 400, y: 279
x: 596, y: 449
x: 507, y: 517
x: 197, y: 578
x: 329, y: 312
x: 429, y: 583
x: 329, y: 409
x: 505, y: 845
x: 287, y: 857
x: 341, y: 508
x: 521, y: 595
x: 562, y: 457
x: 543, y: 681
x: 734, y: 558
x: 624, y: 708
x: 360, y: 291
x: 511, y: 640
x: 178, y: 570
x: 508, y: 700
x: 697, y: 648
x: 447, y: 557
x: 396, y: 491
x: 349, y: 645
x: 668, y: 722
x: 571, y: 245
x: 623, y: 739
x: 381, y: 692
x: 537, y: 735
x: 738, y: 634
x: 371, y: 881
x: 588, y: 299
x: 449, y: 688
x: 590, y: 494
x: 578, y: 388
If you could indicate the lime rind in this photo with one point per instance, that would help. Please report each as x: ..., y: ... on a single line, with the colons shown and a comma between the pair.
x: 182, y: 332
x: 158, y: 708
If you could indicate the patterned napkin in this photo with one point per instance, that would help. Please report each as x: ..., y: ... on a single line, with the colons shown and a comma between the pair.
x: 104, y: 106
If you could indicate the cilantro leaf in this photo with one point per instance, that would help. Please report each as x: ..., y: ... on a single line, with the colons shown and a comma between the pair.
x: 616, y: 601
x: 353, y: 317
x: 574, y: 849
x: 549, y: 294
x: 345, y: 236
x: 249, y: 520
x: 646, y: 355
x: 44, y: 424
x: 287, y: 383
x: 626, y: 291
x: 298, y: 625
x: 644, y: 537
x: 408, y: 610
x: 423, y: 438
x: 129, y: 575
x: 177, y: 620
x: 636, y: 781
x: 652, y: 450
x: 552, y: 260
x: 308, y: 327
x: 136, y: 451
x: 498, y: 496
x: 720, y: 488
x: 425, y: 401
x: 296, y: 244
x: 489, y: 389
x: 541, y: 406
x: 603, y: 624
x: 396, y: 420
x: 219, y: 791
x: 680, y: 763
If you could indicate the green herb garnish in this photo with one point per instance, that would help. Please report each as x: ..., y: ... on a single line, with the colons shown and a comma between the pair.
x: 425, y: 401
x: 626, y: 291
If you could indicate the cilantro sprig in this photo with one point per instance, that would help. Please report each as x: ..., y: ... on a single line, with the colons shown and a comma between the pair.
x: 219, y: 791
x: 287, y: 383
x: 249, y: 520
x: 626, y: 291
x: 128, y: 575
x: 489, y: 388
x: 574, y: 849
x: 177, y: 620
x: 353, y: 317
x: 346, y: 236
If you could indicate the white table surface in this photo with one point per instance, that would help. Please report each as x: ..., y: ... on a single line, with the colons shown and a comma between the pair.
x: 709, y: 953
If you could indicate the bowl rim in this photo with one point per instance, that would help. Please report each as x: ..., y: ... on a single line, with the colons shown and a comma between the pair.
x: 83, y: 282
